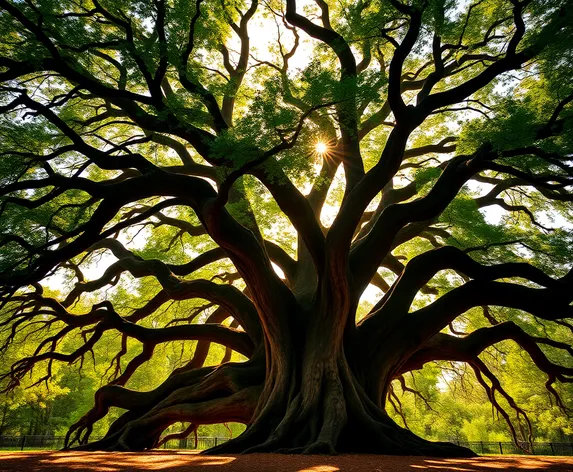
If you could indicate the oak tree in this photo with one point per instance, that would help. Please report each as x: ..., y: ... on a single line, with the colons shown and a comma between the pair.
x: 249, y: 173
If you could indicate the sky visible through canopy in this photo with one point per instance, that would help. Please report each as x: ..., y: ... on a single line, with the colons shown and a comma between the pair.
x: 264, y: 32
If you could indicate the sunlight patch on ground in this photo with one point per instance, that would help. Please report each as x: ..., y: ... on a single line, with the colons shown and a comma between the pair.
x: 320, y: 468
x: 443, y: 467
x: 185, y: 461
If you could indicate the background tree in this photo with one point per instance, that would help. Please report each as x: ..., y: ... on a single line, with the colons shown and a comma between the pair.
x: 161, y: 182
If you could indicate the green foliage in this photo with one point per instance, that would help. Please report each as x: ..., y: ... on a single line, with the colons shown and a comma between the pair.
x: 458, y: 409
x: 123, y: 52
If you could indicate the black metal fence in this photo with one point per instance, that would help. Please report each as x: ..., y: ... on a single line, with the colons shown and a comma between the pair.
x: 203, y: 442
x: 21, y: 443
x: 31, y: 442
x: 538, y: 449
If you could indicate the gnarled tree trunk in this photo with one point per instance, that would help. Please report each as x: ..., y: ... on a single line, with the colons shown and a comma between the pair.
x: 310, y: 387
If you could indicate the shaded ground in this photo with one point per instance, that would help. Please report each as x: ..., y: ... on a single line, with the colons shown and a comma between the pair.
x: 190, y: 461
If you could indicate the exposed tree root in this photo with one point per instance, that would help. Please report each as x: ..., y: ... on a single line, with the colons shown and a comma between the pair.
x: 327, y: 413
x: 197, y: 385
x: 143, y: 432
x: 333, y: 416
x: 192, y: 428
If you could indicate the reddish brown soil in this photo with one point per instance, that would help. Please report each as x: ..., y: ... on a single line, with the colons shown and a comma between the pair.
x: 180, y: 461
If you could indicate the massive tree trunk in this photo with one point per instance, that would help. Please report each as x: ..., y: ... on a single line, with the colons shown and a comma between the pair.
x: 322, y: 409
x: 312, y: 388
x: 315, y: 406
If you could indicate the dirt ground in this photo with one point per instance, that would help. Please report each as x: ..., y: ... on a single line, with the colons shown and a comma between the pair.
x: 180, y: 461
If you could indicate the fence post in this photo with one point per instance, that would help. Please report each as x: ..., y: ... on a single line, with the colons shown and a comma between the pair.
x: 215, y: 440
x: 552, y: 450
x: 481, y: 442
x: 23, y: 443
x: 500, y: 448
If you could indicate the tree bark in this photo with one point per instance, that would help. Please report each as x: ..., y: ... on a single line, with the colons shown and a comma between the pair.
x: 299, y: 397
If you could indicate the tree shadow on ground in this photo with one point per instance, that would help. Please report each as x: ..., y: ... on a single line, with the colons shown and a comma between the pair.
x: 180, y: 461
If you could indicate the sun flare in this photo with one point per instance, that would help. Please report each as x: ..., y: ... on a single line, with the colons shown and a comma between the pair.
x: 320, y: 147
